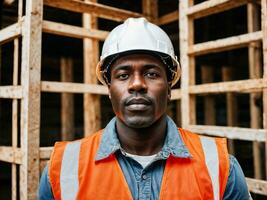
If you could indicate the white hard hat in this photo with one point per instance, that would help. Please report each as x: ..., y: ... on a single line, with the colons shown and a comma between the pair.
x: 135, y: 35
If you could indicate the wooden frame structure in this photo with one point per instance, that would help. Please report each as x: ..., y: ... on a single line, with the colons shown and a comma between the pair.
x: 29, y: 27
x: 188, y: 12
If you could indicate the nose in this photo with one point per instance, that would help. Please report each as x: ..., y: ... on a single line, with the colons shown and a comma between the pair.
x: 137, y: 84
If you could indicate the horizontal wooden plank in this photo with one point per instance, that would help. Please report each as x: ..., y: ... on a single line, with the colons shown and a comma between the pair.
x: 175, y: 94
x: 213, y: 6
x: 257, y: 186
x: 229, y: 86
x: 168, y: 18
x: 11, y: 92
x: 246, y: 134
x: 73, y: 31
x: 95, y: 9
x: 10, y: 154
x: 45, y: 152
x: 225, y: 44
x: 49, y: 86
x: 9, y: 33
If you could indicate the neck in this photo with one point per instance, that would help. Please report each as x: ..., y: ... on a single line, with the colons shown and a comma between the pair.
x: 142, y: 141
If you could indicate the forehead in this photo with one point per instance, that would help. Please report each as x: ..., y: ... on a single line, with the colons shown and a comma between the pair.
x: 139, y: 59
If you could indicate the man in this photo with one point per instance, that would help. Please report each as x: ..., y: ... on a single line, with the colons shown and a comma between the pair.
x: 141, y: 154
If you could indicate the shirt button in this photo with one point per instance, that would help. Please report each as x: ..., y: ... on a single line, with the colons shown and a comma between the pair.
x: 144, y: 176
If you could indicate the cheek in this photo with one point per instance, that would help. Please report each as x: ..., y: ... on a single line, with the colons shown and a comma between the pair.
x: 116, y: 97
x: 162, y: 98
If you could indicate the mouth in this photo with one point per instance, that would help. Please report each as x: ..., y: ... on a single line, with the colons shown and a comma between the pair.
x: 138, y: 104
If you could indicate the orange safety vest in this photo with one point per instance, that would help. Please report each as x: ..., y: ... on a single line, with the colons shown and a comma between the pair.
x: 74, y: 173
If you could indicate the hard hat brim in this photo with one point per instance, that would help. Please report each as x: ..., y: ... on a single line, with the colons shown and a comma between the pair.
x: 102, y: 65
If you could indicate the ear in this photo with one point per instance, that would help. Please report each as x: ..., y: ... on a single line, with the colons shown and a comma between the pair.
x: 169, y: 92
x: 109, y: 95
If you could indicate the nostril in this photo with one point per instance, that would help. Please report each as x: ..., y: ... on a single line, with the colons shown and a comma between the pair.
x: 138, y: 86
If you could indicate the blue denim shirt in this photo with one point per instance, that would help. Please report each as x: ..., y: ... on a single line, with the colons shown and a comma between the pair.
x: 145, y: 183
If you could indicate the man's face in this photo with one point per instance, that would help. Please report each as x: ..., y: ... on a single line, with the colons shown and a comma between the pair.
x: 139, y: 90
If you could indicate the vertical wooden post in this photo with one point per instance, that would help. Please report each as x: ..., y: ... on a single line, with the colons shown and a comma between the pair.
x: 15, y: 107
x: 254, y: 72
x: 30, y: 103
x: 67, y: 101
x: 207, y: 74
x: 187, y: 63
x: 264, y: 45
x: 92, y: 118
x: 231, y: 104
x: 1, y: 16
x: 15, y: 118
x: 150, y: 9
x: 178, y: 113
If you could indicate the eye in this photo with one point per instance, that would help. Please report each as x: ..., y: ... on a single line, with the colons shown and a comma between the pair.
x: 122, y: 76
x: 152, y: 75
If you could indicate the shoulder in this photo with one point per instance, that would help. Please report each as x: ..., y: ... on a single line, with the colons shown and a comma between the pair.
x: 45, y: 191
x: 236, y: 187
x: 90, y: 138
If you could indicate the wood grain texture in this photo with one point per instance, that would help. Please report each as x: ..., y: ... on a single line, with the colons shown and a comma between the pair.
x: 225, y: 44
x: 53, y: 86
x: 73, y: 31
x: 246, y: 134
x: 212, y: 6
x: 90, y: 7
x: 30, y: 103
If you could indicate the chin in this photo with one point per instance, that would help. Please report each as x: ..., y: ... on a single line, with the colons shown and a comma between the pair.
x: 139, y: 122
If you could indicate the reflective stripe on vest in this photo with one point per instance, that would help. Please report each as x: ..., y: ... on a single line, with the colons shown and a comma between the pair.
x: 69, y: 181
x: 212, y: 162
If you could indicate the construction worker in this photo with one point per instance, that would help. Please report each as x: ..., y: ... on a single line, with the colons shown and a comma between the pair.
x: 141, y: 154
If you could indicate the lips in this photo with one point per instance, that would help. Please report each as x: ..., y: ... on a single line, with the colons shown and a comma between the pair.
x: 138, y: 104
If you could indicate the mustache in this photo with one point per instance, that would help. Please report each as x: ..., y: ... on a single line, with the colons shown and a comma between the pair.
x: 138, y: 98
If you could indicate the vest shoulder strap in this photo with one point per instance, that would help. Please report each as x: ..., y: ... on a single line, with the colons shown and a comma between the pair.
x: 64, y: 166
x: 215, y: 155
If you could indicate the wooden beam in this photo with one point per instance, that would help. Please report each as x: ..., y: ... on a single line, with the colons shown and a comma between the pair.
x: 11, y: 92
x: 257, y: 186
x: 264, y: 46
x: 9, y: 33
x: 231, y: 105
x: 30, y: 103
x: 225, y: 44
x: 168, y: 18
x: 254, y: 58
x: 52, y: 86
x: 246, y: 134
x: 73, y: 31
x: 207, y: 76
x: 175, y: 94
x: 8, y: 2
x: 213, y: 6
x: 188, y: 108
x: 45, y: 152
x: 11, y: 155
x: 91, y: 102
x: 150, y: 10
x: 98, y: 10
x: 15, y: 118
x: 230, y: 86
x: 67, y: 101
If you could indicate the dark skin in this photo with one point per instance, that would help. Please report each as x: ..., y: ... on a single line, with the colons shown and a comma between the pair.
x: 139, y: 93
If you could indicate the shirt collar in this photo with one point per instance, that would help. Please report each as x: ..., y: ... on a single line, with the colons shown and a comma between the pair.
x: 173, y: 144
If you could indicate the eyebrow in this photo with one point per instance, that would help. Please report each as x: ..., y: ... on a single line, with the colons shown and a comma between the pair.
x: 121, y: 67
x: 127, y: 67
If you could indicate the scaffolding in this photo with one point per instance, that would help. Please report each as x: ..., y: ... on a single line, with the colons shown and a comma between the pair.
x: 25, y: 94
x: 188, y: 12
